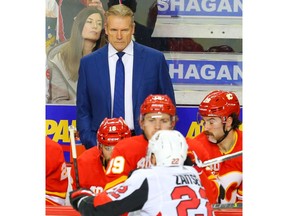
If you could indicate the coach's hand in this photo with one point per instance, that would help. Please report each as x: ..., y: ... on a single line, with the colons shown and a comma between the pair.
x: 76, y: 196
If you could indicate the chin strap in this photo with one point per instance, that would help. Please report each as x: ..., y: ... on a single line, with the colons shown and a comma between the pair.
x: 225, y: 134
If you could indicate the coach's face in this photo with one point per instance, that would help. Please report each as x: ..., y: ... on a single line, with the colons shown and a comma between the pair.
x: 119, y: 31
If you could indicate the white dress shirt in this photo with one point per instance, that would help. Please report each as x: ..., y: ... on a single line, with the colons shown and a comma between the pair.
x: 128, y: 65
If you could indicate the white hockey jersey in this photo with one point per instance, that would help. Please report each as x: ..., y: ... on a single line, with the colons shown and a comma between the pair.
x: 157, y: 191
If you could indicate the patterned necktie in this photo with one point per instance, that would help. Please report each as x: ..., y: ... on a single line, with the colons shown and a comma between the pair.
x: 118, y: 108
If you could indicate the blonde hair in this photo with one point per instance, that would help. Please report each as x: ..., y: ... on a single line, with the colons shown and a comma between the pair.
x: 120, y: 10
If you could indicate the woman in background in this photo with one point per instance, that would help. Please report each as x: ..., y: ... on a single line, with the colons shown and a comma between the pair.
x: 87, y: 35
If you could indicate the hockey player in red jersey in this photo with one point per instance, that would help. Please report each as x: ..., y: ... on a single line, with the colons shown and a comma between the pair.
x: 166, y: 187
x: 92, y: 162
x: 219, y: 111
x: 157, y: 112
x: 56, y: 174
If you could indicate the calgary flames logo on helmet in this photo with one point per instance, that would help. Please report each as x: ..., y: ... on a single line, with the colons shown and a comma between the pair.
x: 219, y: 103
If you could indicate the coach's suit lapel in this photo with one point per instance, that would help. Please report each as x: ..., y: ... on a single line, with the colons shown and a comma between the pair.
x: 138, y: 67
x: 104, y: 75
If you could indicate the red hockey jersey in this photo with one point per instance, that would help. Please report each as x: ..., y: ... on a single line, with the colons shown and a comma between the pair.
x: 208, y: 179
x: 91, y: 171
x: 229, y: 172
x: 56, y: 174
x: 128, y: 154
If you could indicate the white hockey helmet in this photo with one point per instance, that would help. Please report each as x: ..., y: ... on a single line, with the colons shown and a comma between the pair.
x: 169, y: 147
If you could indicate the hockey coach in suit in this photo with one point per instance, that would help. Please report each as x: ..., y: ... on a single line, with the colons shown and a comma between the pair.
x: 146, y: 72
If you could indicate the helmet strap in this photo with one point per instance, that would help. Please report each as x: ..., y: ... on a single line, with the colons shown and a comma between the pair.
x: 104, y: 161
x: 226, y: 132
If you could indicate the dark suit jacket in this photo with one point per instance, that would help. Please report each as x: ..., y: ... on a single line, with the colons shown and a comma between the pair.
x: 150, y: 76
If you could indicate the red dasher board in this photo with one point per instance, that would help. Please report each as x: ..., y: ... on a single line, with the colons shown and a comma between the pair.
x: 69, y: 211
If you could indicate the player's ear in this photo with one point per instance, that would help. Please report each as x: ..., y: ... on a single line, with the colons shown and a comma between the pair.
x: 229, y: 122
x: 174, y: 119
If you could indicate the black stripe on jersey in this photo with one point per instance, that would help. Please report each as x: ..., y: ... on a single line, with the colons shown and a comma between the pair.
x: 134, y: 202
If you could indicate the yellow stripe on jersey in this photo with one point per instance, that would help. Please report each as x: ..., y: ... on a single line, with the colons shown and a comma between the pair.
x: 58, y: 194
x: 115, y: 182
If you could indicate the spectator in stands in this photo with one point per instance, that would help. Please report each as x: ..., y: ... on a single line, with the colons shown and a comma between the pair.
x: 68, y: 10
x: 63, y: 60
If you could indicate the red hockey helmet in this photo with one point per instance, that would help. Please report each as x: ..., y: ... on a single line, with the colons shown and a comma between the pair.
x: 219, y: 103
x: 112, y: 130
x: 158, y: 103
